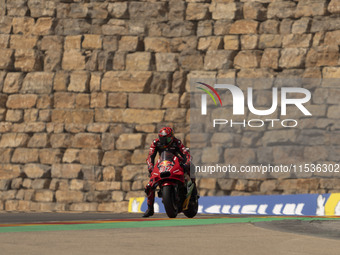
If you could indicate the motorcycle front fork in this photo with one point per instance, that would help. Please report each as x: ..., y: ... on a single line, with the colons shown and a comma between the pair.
x: 160, y: 194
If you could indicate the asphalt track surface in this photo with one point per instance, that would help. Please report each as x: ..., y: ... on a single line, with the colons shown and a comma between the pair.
x: 103, y: 233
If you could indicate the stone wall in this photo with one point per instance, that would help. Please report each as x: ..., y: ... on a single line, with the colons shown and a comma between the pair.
x: 86, y: 84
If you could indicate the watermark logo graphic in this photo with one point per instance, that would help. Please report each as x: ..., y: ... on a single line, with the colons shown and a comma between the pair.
x: 204, y: 97
x: 239, y: 99
x: 289, y: 96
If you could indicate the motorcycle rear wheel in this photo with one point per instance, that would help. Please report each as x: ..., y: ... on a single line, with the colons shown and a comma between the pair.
x: 169, y: 201
x: 193, y: 205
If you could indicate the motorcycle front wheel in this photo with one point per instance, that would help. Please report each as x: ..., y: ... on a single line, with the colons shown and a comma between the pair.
x: 169, y: 201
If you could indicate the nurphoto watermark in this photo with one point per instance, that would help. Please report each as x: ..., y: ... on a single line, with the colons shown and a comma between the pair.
x: 260, y: 128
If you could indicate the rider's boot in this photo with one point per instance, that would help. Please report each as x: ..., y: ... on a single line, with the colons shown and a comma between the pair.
x: 149, y: 212
x: 150, y: 192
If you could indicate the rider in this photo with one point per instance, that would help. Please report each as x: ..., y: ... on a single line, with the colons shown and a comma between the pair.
x: 166, y: 142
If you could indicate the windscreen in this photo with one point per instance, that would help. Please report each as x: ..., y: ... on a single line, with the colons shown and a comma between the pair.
x: 166, y: 156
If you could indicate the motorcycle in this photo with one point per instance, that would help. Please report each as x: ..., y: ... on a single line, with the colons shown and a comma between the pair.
x: 177, y: 191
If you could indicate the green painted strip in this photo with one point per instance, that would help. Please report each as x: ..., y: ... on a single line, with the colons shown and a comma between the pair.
x: 144, y: 224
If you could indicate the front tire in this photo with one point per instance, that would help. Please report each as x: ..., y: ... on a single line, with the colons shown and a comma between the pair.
x: 169, y: 201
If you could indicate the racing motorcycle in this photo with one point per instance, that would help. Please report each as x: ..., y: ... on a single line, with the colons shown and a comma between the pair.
x: 177, y: 191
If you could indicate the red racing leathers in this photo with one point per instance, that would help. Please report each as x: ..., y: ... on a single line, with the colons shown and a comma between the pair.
x: 177, y: 148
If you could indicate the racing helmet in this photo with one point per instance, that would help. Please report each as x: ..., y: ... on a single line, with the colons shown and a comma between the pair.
x: 166, y: 136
